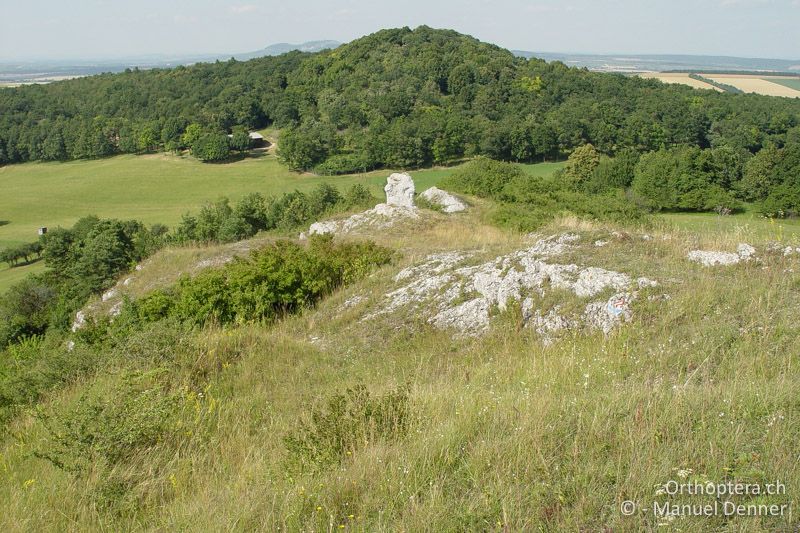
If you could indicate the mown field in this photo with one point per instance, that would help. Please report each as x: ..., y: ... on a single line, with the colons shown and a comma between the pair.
x: 161, y: 188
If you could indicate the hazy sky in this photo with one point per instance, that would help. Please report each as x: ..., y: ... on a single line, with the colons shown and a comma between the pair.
x: 116, y: 28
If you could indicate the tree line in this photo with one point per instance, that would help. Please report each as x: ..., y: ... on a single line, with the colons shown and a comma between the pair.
x: 22, y: 253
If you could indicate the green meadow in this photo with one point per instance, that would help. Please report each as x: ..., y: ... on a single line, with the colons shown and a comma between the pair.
x: 154, y: 189
x: 161, y: 188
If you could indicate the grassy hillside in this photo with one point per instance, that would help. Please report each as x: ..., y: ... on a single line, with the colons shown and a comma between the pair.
x: 504, y: 433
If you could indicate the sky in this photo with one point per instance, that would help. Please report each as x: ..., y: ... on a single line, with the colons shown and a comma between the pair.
x: 98, y: 29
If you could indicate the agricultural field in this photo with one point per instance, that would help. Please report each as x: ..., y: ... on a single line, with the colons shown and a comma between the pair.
x: 679, y: 77
x: 787, y: 86
x: 766, y: 85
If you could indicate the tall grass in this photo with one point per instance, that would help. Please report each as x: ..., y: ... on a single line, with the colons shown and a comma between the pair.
x: 503, y: 433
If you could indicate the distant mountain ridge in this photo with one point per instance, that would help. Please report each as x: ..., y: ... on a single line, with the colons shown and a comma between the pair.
x: 45, y: 71
x: 282, y: 48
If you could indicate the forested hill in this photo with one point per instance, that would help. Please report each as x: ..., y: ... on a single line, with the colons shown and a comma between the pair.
x: 399, y: 98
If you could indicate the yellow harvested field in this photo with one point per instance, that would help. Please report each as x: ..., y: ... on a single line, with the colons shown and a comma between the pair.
x: 678, y: 77
x: 755, y: 84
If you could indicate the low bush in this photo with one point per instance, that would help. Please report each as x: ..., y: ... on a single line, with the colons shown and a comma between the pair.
x: 221, y: 222
x: 346, y: 423
x: 482, y: 177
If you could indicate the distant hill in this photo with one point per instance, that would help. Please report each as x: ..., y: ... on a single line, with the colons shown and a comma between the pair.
x: 665, y: 62
x: 282, y: 48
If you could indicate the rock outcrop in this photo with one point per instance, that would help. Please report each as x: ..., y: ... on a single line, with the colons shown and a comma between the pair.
x: 400, y: 190
x: 458, y: 296
x: 445, y: 200
x: 744, y: 252
x: 399, y: 206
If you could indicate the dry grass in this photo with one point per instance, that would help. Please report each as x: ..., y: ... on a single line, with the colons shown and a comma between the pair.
x: 507, y: 435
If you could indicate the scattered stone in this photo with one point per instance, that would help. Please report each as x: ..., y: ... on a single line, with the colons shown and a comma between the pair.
x: 645, y: 283
x: 399, y: 206
x: 600, y: 243
x: 461, y: 297
x: 108, y: 295
x: 647, y: 237
x: 400, y: 190
x: 70, y: 345
x: 554, y: 245
x: 213, y: 262
x: 744, y: 252
x: 116, y: 309
x: 448, y: 202
x: 547, y: 325
x: 79, y: 322
x: 605, y: 315
x: 138, y: 268
x: 354, y: 301
x: 381, y: 216
x: 790, y: 251
x: 713, y: 258
x: 127, y: 281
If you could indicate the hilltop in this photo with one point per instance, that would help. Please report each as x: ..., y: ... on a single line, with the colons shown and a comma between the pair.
x: 396, y: 98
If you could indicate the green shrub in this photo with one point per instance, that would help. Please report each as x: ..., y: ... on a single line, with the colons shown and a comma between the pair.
x: 111, y: 428
x: 212, y: 147
x: 482, y: 177
x: 30, y: 368
x: 338, y: 164
x: 346, y: 423
x: 358, y: 196
x: 278, y: 279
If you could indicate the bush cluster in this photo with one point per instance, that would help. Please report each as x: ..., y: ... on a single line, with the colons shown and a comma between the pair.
x: 81, y: 260
x: 221, y: 222
x: 281, y: 278
x: 527, y: 202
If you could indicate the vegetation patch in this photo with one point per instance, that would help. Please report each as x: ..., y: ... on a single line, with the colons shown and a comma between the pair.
x: 346, y: 423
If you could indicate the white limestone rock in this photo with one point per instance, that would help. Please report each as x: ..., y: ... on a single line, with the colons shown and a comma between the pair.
x: 381, y: 216
x: 400, y: 190
x: 605, y: 315
x: 744, y: 252
x: 458, y: 296
x: 448, y: 202
x: 79, y: 322
x: 108, y: 295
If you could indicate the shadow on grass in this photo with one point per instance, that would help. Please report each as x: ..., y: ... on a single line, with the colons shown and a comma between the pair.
x: 24, y: 263
x: 4, y: 222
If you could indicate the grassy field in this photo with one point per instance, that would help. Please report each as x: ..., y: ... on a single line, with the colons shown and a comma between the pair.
x: 748, y: 224
x: 792, y: 83
x: 153, y: 189
x: 505, y: 433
